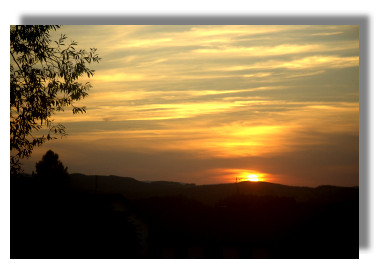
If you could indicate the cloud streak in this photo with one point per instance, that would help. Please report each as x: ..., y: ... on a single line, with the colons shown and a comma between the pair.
x: 218, y: 100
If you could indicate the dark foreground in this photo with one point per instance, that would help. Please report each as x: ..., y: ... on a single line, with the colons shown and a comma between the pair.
x: 112, y: 217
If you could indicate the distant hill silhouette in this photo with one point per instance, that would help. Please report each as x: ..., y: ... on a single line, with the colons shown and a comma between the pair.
x: 121, y: 217
x: 132, y: 188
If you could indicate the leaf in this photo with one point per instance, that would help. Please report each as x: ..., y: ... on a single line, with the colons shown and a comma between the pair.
x: 35, y: 93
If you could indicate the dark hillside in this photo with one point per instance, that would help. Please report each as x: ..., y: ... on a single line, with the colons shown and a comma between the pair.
x: 116, y: 217
x: 210, y: 194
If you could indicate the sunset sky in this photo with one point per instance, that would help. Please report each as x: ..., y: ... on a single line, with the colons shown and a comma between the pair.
x: 206, y: 104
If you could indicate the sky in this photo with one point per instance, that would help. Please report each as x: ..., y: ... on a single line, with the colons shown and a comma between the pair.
x: 208, y: 104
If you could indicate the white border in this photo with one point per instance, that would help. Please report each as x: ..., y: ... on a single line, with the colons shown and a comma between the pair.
x: 369, y: 258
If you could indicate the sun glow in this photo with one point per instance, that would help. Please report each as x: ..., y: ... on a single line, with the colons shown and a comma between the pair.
x: 252, y: 177
x: 248, y: 175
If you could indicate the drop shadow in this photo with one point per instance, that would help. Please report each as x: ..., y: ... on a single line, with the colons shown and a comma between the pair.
x: 364, y: 127
x: 187, y: 19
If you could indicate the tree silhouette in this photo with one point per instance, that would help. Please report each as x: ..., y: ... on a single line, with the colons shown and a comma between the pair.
x: 51, y: 170
x: 43, y: 80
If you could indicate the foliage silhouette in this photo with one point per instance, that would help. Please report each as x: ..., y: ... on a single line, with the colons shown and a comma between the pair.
x: 51, y: 166
x: 51, y: 171
x: 43, y: 80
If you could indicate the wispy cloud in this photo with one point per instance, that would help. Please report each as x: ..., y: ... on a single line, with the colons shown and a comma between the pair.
x: 222, y: 94
x: 326, y: 34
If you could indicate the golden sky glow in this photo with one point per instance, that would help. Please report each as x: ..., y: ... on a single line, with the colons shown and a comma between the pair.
x: 207, y: 104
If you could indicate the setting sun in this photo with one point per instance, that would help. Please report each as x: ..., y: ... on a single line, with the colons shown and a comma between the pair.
x: 252, y: 177
x: 247, y: 175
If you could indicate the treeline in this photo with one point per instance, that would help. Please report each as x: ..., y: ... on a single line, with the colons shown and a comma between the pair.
x: 58, y: 220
